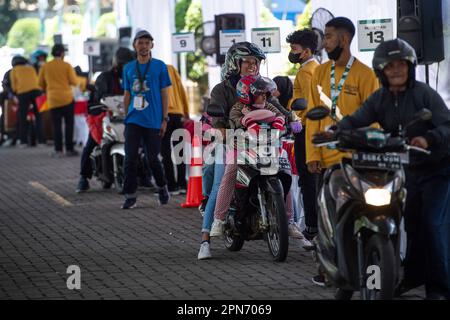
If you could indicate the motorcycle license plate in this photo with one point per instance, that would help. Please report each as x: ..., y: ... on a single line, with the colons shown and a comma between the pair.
x: 377, y: 161
x: 284, y: 164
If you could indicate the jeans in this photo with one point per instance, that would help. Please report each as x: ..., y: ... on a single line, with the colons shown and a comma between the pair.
x: 65, y: 112
x: 427, y: 224
x: 152, y: 144
x: 215, y: 171
x: 207, y: 179
x: 166, y: 152
x: 25, y: 100
x: 307, y: 181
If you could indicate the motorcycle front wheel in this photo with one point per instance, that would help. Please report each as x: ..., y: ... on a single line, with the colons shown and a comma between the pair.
x: 277, y: 236
x: 379, y: 252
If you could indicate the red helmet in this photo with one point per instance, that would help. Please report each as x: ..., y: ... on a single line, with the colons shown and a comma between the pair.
x: 251, y: 86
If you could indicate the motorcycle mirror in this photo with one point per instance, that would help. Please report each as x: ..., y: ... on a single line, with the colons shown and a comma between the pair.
x: 299, y: 105
x: 214, y: 110
x: 422, y: 115
x: 318, y: 113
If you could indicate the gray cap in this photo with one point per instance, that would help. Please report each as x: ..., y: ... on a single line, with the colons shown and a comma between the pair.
x: 142, y: 34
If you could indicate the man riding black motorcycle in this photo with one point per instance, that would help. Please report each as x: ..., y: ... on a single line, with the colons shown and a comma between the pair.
x: 427, y: 210
x: 108, y: 83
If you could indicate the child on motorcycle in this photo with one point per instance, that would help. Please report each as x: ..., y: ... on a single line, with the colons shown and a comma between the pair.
x: 253, y: 92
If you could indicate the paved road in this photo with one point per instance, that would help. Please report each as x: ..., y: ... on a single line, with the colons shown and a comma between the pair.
x: 146, y: 253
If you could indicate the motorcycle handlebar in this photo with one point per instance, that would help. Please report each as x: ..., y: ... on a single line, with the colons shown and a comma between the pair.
x: 418, y: 149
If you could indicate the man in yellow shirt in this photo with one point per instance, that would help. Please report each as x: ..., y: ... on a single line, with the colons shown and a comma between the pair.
x: 347, y: 82
x: 24, y: 83
x: 56, y: 78
x: 303, y: 45
x: 178, y: 113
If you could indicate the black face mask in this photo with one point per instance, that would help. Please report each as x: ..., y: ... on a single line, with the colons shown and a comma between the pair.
x: 336, y: 53
x: 294, y: 57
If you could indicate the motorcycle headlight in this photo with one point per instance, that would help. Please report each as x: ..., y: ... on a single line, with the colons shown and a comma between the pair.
x: 373, y: 195
x: 378, y: 196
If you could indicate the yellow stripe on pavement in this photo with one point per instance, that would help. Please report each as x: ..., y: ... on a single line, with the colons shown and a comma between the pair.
x: 52, y: 195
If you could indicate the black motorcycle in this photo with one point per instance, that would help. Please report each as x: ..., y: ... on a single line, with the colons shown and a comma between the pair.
x: 360, y: 205
x: 257, y: 210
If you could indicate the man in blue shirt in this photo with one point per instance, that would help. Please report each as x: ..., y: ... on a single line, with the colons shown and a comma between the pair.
x: 145, y: 83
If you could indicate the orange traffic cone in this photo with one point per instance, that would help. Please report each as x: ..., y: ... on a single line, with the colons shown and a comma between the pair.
x: 194, y: 194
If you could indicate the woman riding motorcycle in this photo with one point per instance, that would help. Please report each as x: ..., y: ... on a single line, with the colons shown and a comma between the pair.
x: 242, y: 59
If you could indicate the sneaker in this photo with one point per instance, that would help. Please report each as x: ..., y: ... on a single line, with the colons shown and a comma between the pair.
x: 306, y: 244
x: 83, y: 185
x: 56, y: 154
x: 204, y: 252
x: 72, y: 153
x: 310, y: 233
x: 146, y: 183
x: 319, y: 280
x: 183, y: 190
x: 217, y: 228
x: 129, y: 203
x: 174, y: 191
x: 202, y: 206
x: 403, y: 287
x: 294, y: 231
x: 163, y: 195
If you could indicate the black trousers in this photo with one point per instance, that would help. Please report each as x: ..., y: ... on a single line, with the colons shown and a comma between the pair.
x: 307, y: 181
x: 166, y: 152
x: 58, y: 114
x: 86, y: 165
x: 427, y: 224
x: 25, y: 100
x: 152, y: 143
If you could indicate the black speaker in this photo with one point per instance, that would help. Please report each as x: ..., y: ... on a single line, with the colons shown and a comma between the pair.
x: 229, y: 21
x: 124, y: 32
x: 419, y: 22
x: 104, y: 61
x: 57, y: 39
x: 125, y: 37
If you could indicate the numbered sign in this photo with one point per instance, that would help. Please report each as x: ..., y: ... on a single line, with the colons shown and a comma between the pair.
x: 92, y: 48
x: 183, y: 42
x: 268, y: 39
x: 372, y: 32
x: 229, y: 37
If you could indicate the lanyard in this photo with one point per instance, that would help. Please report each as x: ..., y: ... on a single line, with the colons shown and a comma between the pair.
x: 140, y: 77
x: 335, y: 92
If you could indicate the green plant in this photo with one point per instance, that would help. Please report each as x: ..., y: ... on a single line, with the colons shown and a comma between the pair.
x: 304, y: 19
x: 105, y: 23
x: 7, y: 16
x: 73, y: 20
x: 196, y: 62
x: 180, y: 14
x: 24, y: 34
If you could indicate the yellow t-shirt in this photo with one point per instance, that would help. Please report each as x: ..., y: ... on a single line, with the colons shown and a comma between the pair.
x: 302, y: 85
x: 361, y: 82
x: 24, y: 79
x: 56, y: 78
x: 178, y: 102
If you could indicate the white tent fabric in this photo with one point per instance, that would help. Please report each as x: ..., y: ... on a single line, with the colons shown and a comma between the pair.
x: 251, y: 9
x: 155, y: 16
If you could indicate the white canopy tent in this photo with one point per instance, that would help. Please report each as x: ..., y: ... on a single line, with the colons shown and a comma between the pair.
x: 156, y: 16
